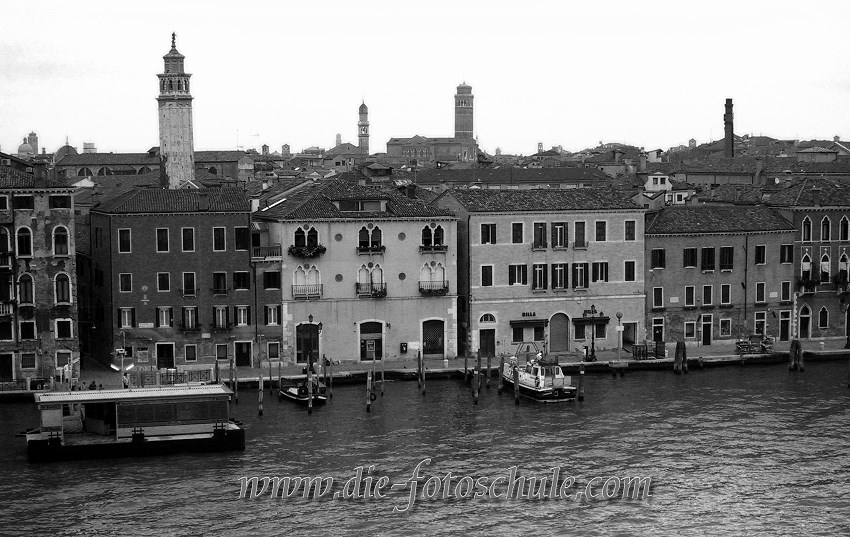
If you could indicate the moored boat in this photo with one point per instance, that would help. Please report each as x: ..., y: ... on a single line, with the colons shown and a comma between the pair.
x: 134, y: 422
x: 539, y: 379
x: 300, y: 393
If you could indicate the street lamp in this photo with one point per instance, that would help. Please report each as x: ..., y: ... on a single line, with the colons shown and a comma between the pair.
x: 592, y: 314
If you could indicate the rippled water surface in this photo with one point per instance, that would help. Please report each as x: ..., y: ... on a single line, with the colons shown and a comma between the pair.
x: 755, y: 451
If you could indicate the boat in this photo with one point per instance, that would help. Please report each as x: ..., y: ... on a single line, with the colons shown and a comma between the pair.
x: 539, y: 379
x: 134, y: 422
x: 300, y: 393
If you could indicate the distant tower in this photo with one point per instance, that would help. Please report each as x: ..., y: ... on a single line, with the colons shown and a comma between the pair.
x: 284, y: 150
x: 463, y: 112
x: 338, y: 140
x: 176, y: 143
x: 498, y: 151
x: 729, y: 140
x: 265, y: 149
x: 32, y: 139
x: 363, y: 128
x: 539, y: 147
x: 692, y: 143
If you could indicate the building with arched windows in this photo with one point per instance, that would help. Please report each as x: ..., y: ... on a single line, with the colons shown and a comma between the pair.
x: 364, y: 274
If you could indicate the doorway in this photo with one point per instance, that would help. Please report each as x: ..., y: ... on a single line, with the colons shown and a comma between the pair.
x: 805, y: 322
x: 433, y: 339
x: 658, y: 329
x: 629, y: 334
x: 706, y: 329
x: 487, y: 342
x: 165, y: 355
x: 371, y: 341
x: 306, y: 343
x: 784, y: 325
x: 559, y: 333
x: 242, y: 350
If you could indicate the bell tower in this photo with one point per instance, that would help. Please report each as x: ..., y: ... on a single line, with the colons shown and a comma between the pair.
x: 176, y: 141
x: 363, y: 128
x: 463, y: 112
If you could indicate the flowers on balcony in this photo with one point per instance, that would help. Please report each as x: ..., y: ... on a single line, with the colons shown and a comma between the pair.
x: 306, y: 252
x: 807, y: 284
x: 373, y: 249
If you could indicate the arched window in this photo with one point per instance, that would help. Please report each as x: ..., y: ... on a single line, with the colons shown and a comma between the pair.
x: 439, y: 236
x: 377, y: 275
x: 4, y: 240
x: 805, y: 322
x: 823, y: 318
x: 312, y: 238
x: 299, y: 277
x: 300, y: 238
x: 425, y: 273
x: 825, y: 229
x: 806, y: 267
x: 824, y: 268
x: 439, y: 274
x: 24, y: 242
x: 843, y: 265
x: 363, y: 238
x: 807, y: 229
x: 60, y: 240
x: 25, y: 289
x: 363, y: 275
x: 212, y: 170
x: 144, y: 170
x: 104, y: 171
x: 376, y: 237
x: 844, y: 229
x: 313, y: 277
x: 63, y: 289
x: 427, y: 236
x: 84, y: 172
x: 487, y: 318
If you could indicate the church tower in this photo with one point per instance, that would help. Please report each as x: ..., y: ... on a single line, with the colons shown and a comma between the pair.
x: 176, y: 143
x: 363, y: 129
x: 463, y: 112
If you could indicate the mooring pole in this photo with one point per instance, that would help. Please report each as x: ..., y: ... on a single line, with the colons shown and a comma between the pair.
x: 581, y: 382
x: 488, y: 371
x: 270, y: 377
x: 331, y: 379
x: 383, y: 377
x: 309, y: 388
x: 260, y: 394
x: 235, y: 383
x: 501, y: 373
x: 516, y: 384
x: 475, y: 385
x: 368, y: 391
x: 278, y: 375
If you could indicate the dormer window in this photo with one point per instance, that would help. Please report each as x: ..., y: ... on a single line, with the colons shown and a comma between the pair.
x: 360, y: 205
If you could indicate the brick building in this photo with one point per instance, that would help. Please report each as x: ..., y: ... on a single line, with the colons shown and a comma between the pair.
x: 717, y: 273
x: 531, y: 262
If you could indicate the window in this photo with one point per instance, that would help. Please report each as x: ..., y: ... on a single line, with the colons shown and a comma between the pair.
x: 600, y: 330
x: 559, y: 276
x: 823, y: 318
x: 63, y: 288
x: 221, y: 316
x: 189, y: 287
x: 488, y: 233
x: 162, y: 240
x: 63, y: 358
x: 580, y: 332
x: 727, y: 254
x: 60, y: 241
x: 517, y: 334
x: 219, y: 283
x: 25, y: 290
x: 725, y: 293
x: 4, y: 203
x: 164, y: 316
x: 689, y: 258
x: 243, y: 238
x: 188, y: 234
x: 272, y: 315
x: 629, y: 271
x: 6, y: 329
x: 658, y: 258
x: 274, y: 350
x: 27, y: 360
x: 163, y: 281
x: 242, y: 315
x: 599, y: 271
x: 538, y: 276
x: 844, y: 229
x: 538, y: 333
x: 127, y: 317
x: 690, y: 330
x: 539, y: 235
x: 191, y: 352
x: 125, y: 282
x: 517, y: 275
x: 785, y: 291
x: 516, y: 233
x: 601, y: 231
x: 690, y: 295
x: 657, y: 297
x: 760, y: 323
x: 807, y: 230
x: 760, y: 254
x: 580, y: 271
x: 629, y: 233
x: 824, y: 268
x: 707, y: 295
x: 559, y: 235
x: 806, y: 267
x: 27, y: 329
x: 708, y: 259
x: 190, y: 317
x: 219, y: 241
x: 760, y: 295
x: 579, y: 234
x: 23, y: 202
x: 241, y: 281
x: 24, y: 242
x: 221, y: 351
x: 63, y: 329
x: 124, y: 241
x: 825, y: 229
x: 486, y: 275
x: 271, y: 279
x: 725, y: 327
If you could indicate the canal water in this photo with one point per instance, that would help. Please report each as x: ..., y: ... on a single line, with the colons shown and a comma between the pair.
x: 756, y: 450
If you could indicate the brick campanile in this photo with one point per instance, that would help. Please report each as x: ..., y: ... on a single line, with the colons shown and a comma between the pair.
x: 363, y: 128
x: 463, y: 112
x: 176, y: 142
x: 729, y: 140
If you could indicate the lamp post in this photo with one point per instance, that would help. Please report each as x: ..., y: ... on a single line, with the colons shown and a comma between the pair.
x: 592, y: 314
x: 619, y: 333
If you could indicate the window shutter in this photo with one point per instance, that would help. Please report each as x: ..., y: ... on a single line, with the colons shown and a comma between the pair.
x: 133, y: 317
x: 170, y: 317
x: 248, y: 311
x: 278, y: 314
x: 575, y: 274
x: 545, y: 275
x: 266, y: 313
x: 235, y: 314
x: 183, y: 314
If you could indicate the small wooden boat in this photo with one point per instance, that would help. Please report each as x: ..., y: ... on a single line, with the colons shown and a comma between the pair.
x: 300, y: 393
x: 134, y: 422
x: 540, y: 380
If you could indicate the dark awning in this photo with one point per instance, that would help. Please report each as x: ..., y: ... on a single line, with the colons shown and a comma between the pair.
x: 530, y: 322
x: 589, y: 320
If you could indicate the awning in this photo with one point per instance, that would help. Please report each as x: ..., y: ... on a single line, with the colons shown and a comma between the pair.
x: 591, y: 320
x: 530, y: 322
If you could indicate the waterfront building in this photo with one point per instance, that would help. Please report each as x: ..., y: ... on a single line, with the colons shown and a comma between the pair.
x: 39, y: 327
x: 718, y: 273
x: 533, y: 262
x: 364, y: 274
x: 172, y: 281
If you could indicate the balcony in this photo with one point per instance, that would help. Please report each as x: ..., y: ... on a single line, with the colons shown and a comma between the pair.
x: 580, y: 244
x: 6, y: 260
x: 7, y: 307
x: 308, y: 291
x: 306, y: 252
x: 433, y: 248
x: 266, y: 253
x: 372, y: 290
x: 189, y: 292
x: 373, y: 249
x: 807, y: 285
x: 430, y: 288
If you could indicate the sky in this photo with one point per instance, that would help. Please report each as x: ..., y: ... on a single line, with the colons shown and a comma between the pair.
x: 647, y: 73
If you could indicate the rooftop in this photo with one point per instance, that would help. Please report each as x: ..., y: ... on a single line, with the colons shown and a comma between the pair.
x: 703, y: 219
x: 542, y: 199
x: 158, y: 200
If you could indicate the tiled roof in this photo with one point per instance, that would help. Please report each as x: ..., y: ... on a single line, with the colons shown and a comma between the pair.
x: 158, y: 200
x: 510, y: 175
x: 317, y: 202
x: 107, y: 187
x: 414, y: 140
x: 143, y: 159
x: 816, y: 149
x: 343, y: 149
x: 542, y: 199
x: 811, y: 192
x: 733, y: 194
x: 12, y: 178
x: 698, y: 219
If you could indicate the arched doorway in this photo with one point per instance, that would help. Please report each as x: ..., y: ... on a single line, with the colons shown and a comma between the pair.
x: 559, y: 333
x: 805, y: 323
x: 433, y: 340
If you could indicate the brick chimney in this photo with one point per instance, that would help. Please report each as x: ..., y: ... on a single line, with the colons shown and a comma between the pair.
x: 642, y: 168
x: 729, y: 140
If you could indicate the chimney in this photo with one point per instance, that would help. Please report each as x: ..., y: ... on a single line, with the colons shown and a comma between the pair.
x: 339, y: 139
x: 757, y: 180
x: 617, y: 154
x: 642, y: 168
x: 410, y: 191
x: 816, y: 191
x: 729, y: 140
x: 265, y: 184
x: 203, y: 201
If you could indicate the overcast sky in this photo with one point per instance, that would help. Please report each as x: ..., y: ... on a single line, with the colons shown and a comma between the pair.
x: 651, y: 74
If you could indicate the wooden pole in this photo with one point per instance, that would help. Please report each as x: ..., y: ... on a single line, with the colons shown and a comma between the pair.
x: 419, y: 369
x: 581, y: 382
x: 270, y: 377
x: 309, y: 390
x: 423, y: 375
x: 331, y: 380
x: 368, y: 391
x: 501, y: 373
x: 488, y: 371
x: 231, y: 374
x: 684, y: 359
x: 235, y: 382
x: 800, y: 357
x: 383, y: 378
x: 325, y: 370
x: 278, y: 375
x: 792, y: 355
x: 516, y: 384
x: 217, y: 376
x: 475, y: 385
x: 260, y: 394
x: 466, y: 366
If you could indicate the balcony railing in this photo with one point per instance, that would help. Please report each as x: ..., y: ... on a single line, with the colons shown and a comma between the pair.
x: 580, y: 245
x: 7, y: 308
x: 372, y: 249
x: 374, y: 290
x: 6, y: 259
x: 432, y: 248
x: 189, y: 292
x: 313, y: 290
x: 266, y: 252
x: 306, y: 252
x: 431, y: 288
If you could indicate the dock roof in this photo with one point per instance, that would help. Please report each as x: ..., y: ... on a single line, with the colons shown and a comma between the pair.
x: 134, y: 394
